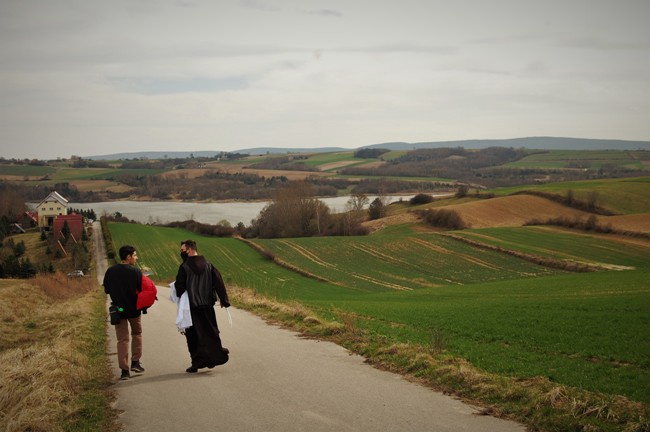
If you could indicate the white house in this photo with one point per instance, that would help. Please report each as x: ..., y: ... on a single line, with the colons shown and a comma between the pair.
x: 51, y: 207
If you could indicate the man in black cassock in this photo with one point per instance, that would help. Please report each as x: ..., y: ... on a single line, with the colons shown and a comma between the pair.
x: 203, y: 284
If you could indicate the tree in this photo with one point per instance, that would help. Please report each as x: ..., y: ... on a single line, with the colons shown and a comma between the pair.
x: 11, y: 204
x: 81, y: 257
x: 66, y: 232
x: 27, y: 269
x: 19, y: 249
x: 292, y: 213
x: 462, y: 191
x: 357, y: 202
x: 376, y: 210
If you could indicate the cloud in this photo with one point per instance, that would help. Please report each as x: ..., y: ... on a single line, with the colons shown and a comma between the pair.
x: 324, y: 12
x: 259, y: 5
x: 160, y: 86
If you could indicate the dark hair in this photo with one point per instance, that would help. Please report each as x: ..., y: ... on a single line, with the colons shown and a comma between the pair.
x: 125, y: 251
x: 190, y: 244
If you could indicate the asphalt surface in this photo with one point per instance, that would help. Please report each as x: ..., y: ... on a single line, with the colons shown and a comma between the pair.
x: 275, y: 381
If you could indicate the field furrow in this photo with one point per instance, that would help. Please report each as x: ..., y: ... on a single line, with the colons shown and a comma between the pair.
x: 469, y: 258
x: 380, y: 282
x: 307, y: 254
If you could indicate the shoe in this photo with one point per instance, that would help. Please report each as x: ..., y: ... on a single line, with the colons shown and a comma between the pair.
x: 225, y: 350
x: 191, y: 369
x: 136, y: 367
x: 125, y: 375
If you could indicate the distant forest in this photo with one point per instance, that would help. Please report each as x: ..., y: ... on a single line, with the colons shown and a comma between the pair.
x: 482, y: 168
x: 460, y: 167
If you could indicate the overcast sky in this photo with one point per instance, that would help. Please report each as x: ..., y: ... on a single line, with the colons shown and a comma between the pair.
x: 86, y: 77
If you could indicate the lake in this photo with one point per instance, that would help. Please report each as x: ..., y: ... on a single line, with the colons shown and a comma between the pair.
x: 162, y: 212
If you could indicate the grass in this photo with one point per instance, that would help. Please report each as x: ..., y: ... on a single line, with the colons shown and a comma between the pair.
x: 537, y: 402
x: 498, y: 315
x: 593, y: 160
x: 26, y: 170
x: 565, y: 244
x: 625, y: 196
x: 53, y: 357
x: 72, y: 174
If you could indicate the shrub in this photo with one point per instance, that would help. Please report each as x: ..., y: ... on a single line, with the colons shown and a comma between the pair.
x: 443, y: 218
x: 421, y: 199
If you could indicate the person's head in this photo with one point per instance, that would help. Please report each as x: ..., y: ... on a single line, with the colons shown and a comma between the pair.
x: 183, y: 251
x: 128, y: 254
x: 186, y: 247
x: 190, y: 245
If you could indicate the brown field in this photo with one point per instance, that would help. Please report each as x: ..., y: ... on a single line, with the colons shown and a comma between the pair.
x: 511, y: 211
x: 343, y: 164
x: 516, y: 210
x: 241, y: 168
x: 99, y: 185
x: 634, y: 222
x: 16, y: 178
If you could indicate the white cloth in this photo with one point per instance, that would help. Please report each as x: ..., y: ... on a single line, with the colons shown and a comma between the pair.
x: 183, y: 316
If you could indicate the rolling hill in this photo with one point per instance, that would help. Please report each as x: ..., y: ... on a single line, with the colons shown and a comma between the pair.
x: 541, y: 143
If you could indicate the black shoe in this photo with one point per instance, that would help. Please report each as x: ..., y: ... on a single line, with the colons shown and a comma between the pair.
x: 191, y: 369
x: 125, y: 375
x: 225, y: 350
x: 136, y: 367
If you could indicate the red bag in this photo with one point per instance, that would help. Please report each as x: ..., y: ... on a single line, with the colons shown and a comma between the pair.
x: 147, y: 296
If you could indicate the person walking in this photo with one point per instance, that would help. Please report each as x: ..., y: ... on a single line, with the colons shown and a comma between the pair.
x: 123, y: 282
x: 203, y: 283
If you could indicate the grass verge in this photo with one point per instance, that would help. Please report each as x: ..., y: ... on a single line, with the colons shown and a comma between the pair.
x: 537, y: 402
x: 53, y: 362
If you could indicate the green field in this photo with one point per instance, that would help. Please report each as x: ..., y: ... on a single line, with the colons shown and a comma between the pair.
x: 26, y: 170
x: 593, y: 160
x: 504, y: 315
x: 71, y: 174
x: 625, y: 196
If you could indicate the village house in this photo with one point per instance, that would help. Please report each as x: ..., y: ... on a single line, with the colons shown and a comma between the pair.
x: 27, y: 220
x: 50, y: 208
x: 75, y: 225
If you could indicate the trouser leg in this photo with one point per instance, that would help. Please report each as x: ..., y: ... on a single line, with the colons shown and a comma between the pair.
x: 122, y: 335
x: 136, y: 338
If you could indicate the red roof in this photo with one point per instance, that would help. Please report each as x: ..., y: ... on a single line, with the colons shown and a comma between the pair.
x: 75, y: 224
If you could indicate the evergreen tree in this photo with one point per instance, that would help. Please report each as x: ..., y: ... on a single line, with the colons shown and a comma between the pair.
x: 19, y: 249
x: 27, y: 269
x: 66, y: 232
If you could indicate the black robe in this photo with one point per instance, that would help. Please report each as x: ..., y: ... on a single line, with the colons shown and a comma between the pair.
x: 203, y: 341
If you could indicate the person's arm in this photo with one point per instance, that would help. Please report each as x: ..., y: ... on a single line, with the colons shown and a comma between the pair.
x: 220, y: 287
x: 107, y: 281
x: 181, y: 278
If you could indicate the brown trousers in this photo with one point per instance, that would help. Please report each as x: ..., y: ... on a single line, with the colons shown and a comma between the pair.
x: 122, y: 333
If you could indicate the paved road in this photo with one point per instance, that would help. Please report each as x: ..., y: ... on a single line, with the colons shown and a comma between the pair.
x: 275, y: 381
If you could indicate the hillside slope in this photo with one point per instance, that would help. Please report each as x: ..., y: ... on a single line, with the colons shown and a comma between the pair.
x: 516, y: 210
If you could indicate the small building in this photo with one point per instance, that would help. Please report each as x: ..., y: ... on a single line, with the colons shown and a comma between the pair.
x: 50, y: 208
x: 75, y: 225
x: 27, y: 220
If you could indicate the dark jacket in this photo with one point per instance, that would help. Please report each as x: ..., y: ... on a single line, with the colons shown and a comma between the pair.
x: 202, y: 281
x: 123, y: 282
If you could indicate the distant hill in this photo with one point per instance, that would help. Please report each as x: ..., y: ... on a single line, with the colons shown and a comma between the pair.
x: 205, y: 153
x: 541, y: 143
